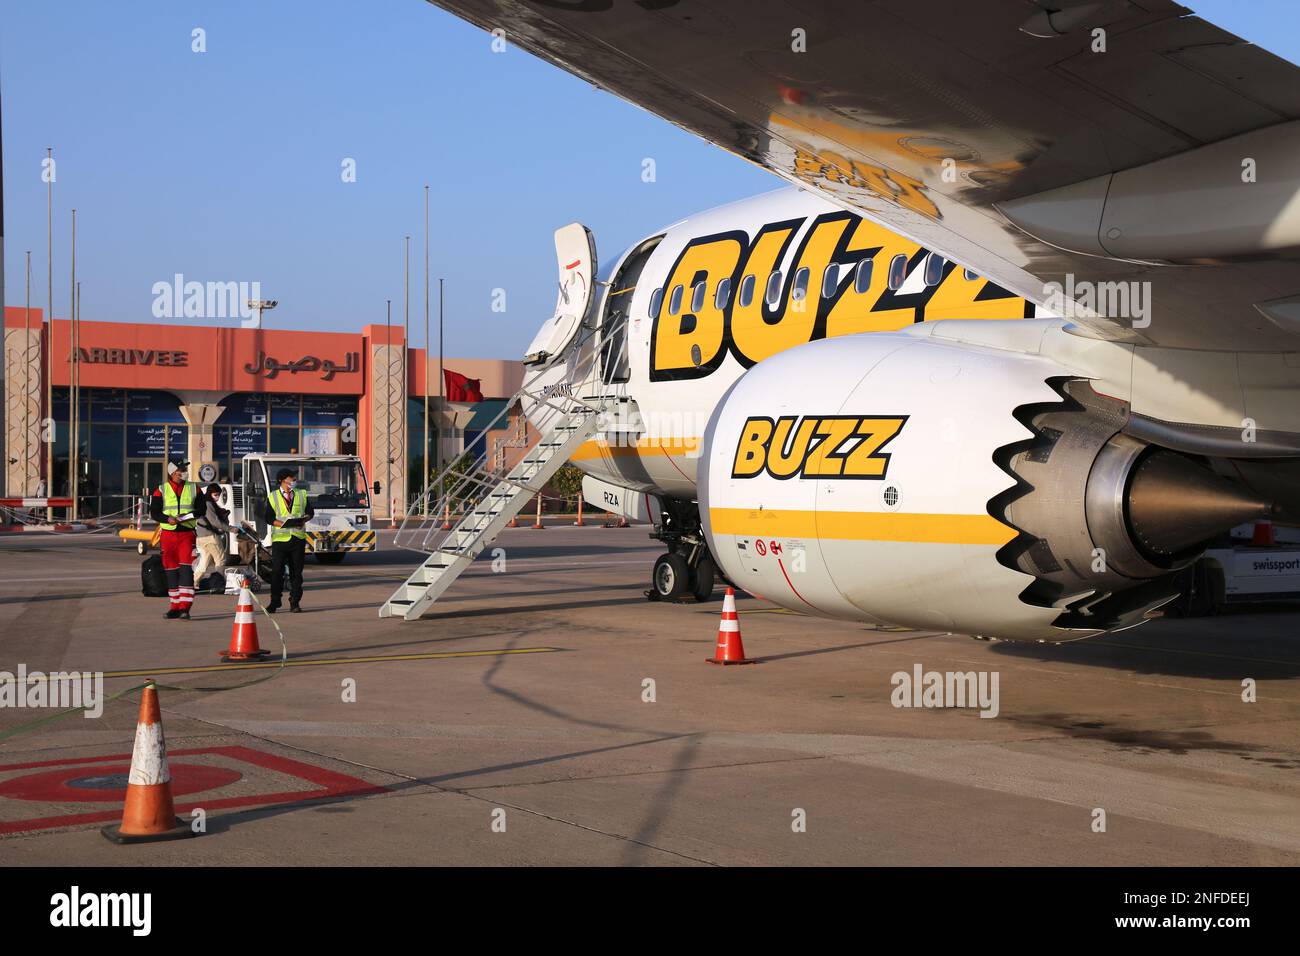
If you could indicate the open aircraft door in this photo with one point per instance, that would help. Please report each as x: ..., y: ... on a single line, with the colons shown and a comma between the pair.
x: 575, y: 260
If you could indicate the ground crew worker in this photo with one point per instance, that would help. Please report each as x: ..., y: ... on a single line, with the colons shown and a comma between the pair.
x: 172, y: 506
x: 287, y: 511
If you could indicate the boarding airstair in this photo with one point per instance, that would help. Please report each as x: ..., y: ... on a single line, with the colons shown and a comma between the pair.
x: 566, y: 401
x: 482, y: 496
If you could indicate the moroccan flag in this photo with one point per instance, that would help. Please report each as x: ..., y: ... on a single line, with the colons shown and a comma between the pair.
x: 459, y: 388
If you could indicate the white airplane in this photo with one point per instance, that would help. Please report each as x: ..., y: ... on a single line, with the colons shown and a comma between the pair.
x: 1020, y: 341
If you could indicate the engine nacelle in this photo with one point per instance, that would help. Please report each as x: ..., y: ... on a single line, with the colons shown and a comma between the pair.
x: 901, y: 479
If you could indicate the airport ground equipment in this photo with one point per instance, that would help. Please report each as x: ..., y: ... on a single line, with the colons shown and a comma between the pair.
x: 484, y: 492
x: 336, y: 487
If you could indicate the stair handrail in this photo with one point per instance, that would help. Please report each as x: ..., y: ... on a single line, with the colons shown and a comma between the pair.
x: 455, y: 483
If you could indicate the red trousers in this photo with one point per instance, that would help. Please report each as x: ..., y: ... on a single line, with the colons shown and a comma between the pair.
x: 178, y: 564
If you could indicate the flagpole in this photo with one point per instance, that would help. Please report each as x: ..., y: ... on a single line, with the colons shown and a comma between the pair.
x: 406, y: 346
x: 74, y: 423
x: 49, y: 318
x: 388, y: 410
x: 441, y: 379
x: 76, y: 434
x: 424, y: 458
x: 27, y: 488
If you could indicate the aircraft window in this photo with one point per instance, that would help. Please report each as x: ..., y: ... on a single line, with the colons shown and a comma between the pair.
x: 773, y: 294
x: 800, y: 284
x: 656, y: 302
x: 970, y: 275
x: 746, y: 291
x: 675, y: 300
x: 934, y: 264
x: 697, y: 297
x: 723, y: 294
x: 862, y: 277
x: 897, y: 272
x: 830, y: 281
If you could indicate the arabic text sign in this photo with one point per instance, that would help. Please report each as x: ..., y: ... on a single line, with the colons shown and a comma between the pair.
x: 151, y: 441
x: 269, y: 366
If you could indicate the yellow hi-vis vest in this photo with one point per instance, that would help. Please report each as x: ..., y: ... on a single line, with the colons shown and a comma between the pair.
x: 174, y: 505
x: 298, y: 510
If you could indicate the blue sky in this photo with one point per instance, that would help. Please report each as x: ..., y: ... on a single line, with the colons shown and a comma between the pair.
x: 226, y: 165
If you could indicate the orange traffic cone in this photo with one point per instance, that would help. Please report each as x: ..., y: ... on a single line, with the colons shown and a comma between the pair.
x: 446, y: 517
x: 243, y: 636
x: 1263, y: 536
x: 149, y: 814
x: 731, y: 650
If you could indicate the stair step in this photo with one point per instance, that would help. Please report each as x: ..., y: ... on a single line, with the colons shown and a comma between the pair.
x: 506, y: 488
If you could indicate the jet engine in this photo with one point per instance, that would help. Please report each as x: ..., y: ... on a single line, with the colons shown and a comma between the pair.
x: 901, y: 479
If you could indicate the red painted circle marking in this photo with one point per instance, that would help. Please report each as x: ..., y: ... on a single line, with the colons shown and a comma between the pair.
x: 52, y: 785
x: 760, y: 547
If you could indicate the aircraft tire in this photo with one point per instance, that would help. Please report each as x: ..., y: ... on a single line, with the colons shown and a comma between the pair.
x: 671, y: 577
x: 704, y: 579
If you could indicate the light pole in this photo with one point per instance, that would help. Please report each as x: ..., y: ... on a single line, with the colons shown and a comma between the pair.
x: 261, y: 305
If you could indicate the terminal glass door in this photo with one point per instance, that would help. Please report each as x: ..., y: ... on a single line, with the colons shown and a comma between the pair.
x: 143, y: 475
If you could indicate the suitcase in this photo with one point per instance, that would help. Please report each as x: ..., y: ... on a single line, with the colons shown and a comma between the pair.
x: 153, y: 579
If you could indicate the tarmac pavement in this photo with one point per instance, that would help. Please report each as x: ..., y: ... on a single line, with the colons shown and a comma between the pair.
x: 514, y: 725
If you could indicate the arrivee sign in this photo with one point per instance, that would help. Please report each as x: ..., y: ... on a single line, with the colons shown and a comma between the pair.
x: 110, y: 356
x: 213, y: 358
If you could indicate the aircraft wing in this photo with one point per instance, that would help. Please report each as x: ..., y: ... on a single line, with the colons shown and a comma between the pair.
x: 1130, y: 158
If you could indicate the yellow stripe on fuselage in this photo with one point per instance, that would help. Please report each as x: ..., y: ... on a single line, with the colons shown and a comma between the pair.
x: 862, y: 526
x: 641, y: 448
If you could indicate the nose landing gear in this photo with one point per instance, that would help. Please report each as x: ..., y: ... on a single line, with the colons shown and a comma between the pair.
x: 687, y: 567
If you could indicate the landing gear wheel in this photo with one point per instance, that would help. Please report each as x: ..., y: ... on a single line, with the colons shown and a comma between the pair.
x: 705, y: 579
x: 330, y: 557
x: 670, y: 578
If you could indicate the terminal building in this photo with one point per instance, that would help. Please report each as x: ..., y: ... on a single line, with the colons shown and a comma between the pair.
x: 150, y: 392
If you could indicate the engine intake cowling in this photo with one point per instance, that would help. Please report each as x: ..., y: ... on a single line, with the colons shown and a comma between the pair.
x: 902, y: 479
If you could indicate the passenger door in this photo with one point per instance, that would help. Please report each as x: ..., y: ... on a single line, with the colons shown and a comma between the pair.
x: 575, y: 260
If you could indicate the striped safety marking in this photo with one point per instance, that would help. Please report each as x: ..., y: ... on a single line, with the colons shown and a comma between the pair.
x: 342, y: 540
